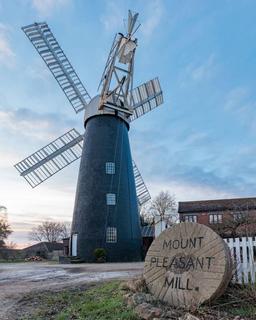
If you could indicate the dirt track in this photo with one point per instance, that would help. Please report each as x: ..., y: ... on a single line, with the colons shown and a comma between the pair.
x: 18, y: 279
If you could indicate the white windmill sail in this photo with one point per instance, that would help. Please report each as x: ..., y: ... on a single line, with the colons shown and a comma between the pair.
x: 111, y: 55
x: 47, y: 46
x: 145, y: 98
x: 116, y: 94
x: 142, y: 192
x: 50, y: 159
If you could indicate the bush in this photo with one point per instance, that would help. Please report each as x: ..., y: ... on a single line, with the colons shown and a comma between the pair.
x: 100, y: 254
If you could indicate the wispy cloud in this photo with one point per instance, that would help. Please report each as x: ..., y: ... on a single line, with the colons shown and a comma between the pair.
x: 241, y: 103
x: 153, y: 15
x: 7, y: 56
x: 199, y: 71
x: 185, y: 191
x: 204, y: 70
x: 235, y: 98
x: 47, y: 7
x: 38, y: 70
x: 8, y: 158
x: 112, y: 18
x: 41, y: 126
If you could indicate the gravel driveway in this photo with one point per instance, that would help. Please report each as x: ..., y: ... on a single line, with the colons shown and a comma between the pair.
x: 18, y: 279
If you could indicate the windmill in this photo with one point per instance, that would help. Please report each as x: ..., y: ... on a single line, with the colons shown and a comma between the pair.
x: 109, y: 187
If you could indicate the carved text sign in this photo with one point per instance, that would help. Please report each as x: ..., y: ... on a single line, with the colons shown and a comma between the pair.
x: 187, y: 265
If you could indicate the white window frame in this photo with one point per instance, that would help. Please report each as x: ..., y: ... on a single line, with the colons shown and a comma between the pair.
x: 215, y: 218
x: 111, y: 199
x: 110, y: 168
x: 111, y: 235
x: 190, y: 218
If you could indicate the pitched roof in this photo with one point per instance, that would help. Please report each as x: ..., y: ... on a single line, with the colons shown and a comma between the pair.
x: 54, y: 246
x: 217, y: 205
x: 49, y: 246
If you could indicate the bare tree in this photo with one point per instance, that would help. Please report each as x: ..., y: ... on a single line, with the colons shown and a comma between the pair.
x: 50, y: 231
x: 236, y: 223
x: 146, y: 217
x: 11, y: 245
x: 164, y: 205
x: 5, y: 231
x: 66, y: 229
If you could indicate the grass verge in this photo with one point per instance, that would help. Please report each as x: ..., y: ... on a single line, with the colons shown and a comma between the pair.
x: 238, y: 300
x: 101, y: 302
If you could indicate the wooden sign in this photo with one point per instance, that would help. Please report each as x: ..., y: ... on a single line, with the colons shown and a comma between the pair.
x: 187, y: 265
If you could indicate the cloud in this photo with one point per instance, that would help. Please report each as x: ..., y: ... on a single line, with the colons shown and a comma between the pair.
x: 38, y: 70
x: 115, y: 16
x: 198, y: 72
x: 8, y: 158
x: 112, y: 18
x: 191, y: 163
x: 7, y: 56
x: 235, y: 98
x: 28, y: 207
x: 47, y: 7
x: 205, y: 70
x: 154, y: 14
x: 185, y: 191
x: 40, y: 126
x: 240, y: 102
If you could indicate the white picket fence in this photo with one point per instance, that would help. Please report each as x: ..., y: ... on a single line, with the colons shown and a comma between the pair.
x: 243, y: 251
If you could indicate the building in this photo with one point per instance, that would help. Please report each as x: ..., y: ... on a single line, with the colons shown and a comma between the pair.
x: 148, y: 235
x: 150, y: 232
x: 160, y: 224
x: 47, y: 250
x: 228, y: 217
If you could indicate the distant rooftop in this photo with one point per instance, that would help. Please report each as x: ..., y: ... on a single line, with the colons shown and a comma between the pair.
x: 217, y: 205
x: 49, y: 246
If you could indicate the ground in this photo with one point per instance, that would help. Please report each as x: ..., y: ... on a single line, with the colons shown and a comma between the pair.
x: 40, y: 291
x: 18, y: 280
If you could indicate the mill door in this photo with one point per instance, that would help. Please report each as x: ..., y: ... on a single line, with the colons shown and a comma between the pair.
x: 74, y: 245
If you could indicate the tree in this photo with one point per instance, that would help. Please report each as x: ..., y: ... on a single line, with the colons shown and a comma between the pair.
x: 50, y: 231
x: 66, y: 229
x: 164, y: 205
x: 11, y: 245
x: 236, y: 223
x: 5, y: 231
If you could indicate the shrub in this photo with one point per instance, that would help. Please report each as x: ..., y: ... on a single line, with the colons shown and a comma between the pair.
x: 100, y: 254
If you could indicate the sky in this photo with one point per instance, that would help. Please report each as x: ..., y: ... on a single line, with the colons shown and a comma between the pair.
x: 200, y: 144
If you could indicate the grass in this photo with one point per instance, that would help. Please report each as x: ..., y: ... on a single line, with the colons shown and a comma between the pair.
x: 238, y: 300
x: 105, y: 302
x: 102, y: 302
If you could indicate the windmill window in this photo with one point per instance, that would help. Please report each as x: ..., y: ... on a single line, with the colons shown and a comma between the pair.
x: 110, y: 168
x: 111, y: 236
x: 111, y: 199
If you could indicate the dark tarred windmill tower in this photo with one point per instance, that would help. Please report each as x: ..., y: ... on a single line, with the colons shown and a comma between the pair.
x: 109, y: 187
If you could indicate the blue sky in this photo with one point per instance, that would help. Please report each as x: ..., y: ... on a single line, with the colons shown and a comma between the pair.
x: 199, y: 145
